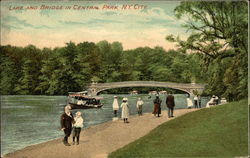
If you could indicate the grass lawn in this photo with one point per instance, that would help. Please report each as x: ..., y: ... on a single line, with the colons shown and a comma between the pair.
x: 220, y: 131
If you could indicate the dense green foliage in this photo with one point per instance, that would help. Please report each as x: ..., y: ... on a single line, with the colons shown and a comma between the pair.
x: 215, y: 53
x: 30, y: 70
x: 219, y: 30
x: 220, y: 131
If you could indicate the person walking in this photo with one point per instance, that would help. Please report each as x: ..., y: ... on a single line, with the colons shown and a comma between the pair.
x: 77, y: 127
x: 170, y: 104
x: 157, y: 106
x: 125, y: 110
x: 139, y: 105
x: 115, y: 106
x: 195, y: 101
x: 66, y: 123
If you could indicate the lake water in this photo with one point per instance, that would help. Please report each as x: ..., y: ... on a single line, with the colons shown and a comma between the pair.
x: 27, y: 120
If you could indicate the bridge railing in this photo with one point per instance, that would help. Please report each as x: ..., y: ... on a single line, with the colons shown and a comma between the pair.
x: 151, y: 83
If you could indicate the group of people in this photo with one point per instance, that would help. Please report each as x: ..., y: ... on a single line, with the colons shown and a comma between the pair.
x: 69, y: 123
x: 197, y: 102
x: 124, y: 107
x: 170, y: 103
x: 215, y: 101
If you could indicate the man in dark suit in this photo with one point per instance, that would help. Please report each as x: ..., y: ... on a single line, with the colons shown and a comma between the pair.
x: 66, y: 123
x: 170, y: 104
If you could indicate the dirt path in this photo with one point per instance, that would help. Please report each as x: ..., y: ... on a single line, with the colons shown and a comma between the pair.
x: 100, y: 140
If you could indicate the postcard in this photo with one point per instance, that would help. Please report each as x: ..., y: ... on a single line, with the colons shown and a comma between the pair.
x: 116, y: 78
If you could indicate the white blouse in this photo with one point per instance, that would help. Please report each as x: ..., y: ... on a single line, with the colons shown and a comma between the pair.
x: 78, y: 122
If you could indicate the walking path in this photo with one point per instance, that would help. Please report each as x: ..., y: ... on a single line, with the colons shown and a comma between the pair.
x: 100, y: 140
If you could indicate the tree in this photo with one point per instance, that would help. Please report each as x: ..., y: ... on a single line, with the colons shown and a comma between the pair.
x: 30, y: 71
x: 50, y: 64
x: 88, y: 63
x: 216, y: 27
x: 219, y: 31
x: 8, y: 77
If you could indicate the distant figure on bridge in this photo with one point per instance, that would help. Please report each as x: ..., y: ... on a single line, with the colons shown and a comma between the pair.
x: 139, y: 105
x: 195, y: 101
x: 189, y: 103
x: 157, y: 106
x: 170, y: 104
x: 115, y: 106
x: 125, y: 110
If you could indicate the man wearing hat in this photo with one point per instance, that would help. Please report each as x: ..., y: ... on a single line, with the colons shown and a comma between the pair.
x: 170, y: 104
x: 66, y: 123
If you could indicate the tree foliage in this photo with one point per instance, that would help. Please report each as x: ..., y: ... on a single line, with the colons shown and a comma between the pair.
x: 219, y: 33
x: 72, y: 67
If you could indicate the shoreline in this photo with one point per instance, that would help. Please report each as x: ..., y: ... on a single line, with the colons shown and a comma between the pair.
x: 98, y: 140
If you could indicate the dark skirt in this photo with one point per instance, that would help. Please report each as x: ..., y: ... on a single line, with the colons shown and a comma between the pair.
x: 157, y: 109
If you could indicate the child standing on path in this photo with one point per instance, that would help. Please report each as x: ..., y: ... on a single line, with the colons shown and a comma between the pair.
x: 139, y: 105
x: 77, y: 127
x: 125, y: 110
x: 115, y: 106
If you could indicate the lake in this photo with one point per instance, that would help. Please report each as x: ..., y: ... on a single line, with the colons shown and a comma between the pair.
x: 28, y: 119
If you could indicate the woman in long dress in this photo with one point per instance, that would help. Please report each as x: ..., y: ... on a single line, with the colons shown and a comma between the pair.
x: 157, y: 106
x: 125, y: 110
x: 115, y: 106
x: 189, y: 103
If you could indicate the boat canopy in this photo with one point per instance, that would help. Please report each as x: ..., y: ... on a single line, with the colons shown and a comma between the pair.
x: 83, y: 96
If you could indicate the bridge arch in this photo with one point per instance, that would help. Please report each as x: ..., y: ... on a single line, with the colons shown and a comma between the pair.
x: 96, y: 88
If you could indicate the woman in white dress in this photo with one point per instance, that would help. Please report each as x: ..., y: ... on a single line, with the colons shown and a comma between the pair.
x: 211, y: 102
x: 115, y: 106
x: 125, y: 110
x: 189, y: 103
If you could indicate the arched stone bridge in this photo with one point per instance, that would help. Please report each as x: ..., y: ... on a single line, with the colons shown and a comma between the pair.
x: 96, y: 88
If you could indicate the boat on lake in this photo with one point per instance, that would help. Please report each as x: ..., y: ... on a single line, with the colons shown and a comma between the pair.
x: 81, y: 100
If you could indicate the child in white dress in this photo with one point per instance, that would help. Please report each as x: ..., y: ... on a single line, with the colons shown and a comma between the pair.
x: 77, y: 126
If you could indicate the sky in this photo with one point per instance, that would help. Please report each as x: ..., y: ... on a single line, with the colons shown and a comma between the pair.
x: 145, y: 23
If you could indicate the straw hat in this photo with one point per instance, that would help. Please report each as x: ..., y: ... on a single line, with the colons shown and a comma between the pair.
x: 78, y: 113
x: 125, y: 99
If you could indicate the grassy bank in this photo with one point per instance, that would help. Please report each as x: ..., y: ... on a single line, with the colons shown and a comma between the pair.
x: 220, y: 131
